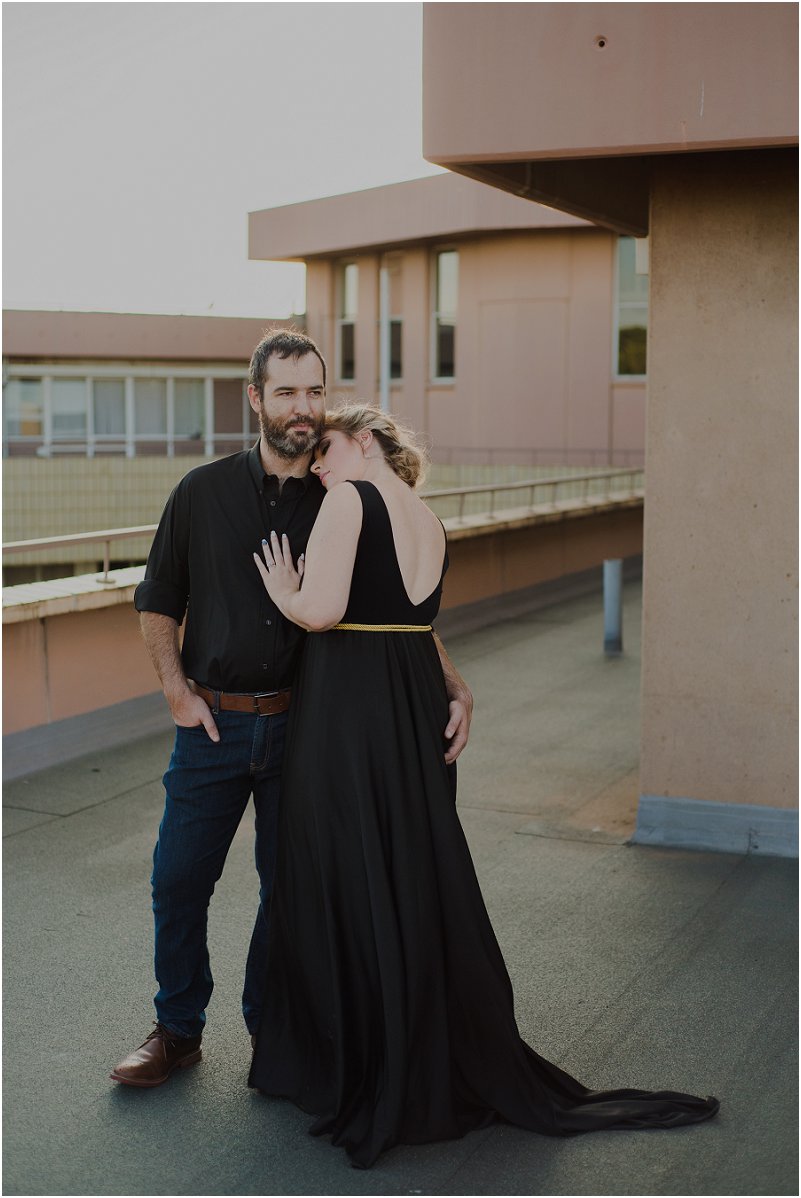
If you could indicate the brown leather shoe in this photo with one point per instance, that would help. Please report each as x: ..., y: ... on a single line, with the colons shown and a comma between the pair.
x: 153, y: 1062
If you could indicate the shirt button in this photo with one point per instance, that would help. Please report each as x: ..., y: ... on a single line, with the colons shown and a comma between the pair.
x: 268, y: 621
x: 272, y: 503
x: 264, y: 665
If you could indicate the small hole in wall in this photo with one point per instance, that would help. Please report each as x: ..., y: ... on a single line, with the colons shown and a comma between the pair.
x: 600, y: 42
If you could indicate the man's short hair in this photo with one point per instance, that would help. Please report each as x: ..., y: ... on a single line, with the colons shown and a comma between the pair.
x: 281, y: 343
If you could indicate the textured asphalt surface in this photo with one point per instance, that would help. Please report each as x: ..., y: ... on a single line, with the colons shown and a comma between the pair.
x: 631, y: 966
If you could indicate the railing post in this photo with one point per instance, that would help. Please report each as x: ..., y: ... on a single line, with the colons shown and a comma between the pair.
x: 613, y: 606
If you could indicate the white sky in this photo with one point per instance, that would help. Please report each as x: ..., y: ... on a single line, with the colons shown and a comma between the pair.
x: 137, y: 137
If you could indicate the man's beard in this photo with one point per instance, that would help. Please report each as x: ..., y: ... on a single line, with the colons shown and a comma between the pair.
x: 290, y: 444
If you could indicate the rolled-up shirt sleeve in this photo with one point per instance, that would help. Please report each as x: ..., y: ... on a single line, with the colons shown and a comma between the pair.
x: 165, y: 588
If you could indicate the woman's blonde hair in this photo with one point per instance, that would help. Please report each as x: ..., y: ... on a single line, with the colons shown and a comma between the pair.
x: 400, y: 445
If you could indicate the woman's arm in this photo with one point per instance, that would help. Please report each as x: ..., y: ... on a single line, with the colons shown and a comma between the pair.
x: 330, y: 555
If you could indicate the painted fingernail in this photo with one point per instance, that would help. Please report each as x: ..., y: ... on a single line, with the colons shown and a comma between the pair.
x: 264, y: 540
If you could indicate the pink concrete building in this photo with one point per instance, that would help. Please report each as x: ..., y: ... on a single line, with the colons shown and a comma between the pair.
x: 680, y: 122
x: 508, y: 332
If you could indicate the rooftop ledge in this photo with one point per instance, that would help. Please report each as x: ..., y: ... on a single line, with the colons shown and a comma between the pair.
x: 84, y: 592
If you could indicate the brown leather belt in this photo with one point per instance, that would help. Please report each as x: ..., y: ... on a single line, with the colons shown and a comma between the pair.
x: 269, y: 703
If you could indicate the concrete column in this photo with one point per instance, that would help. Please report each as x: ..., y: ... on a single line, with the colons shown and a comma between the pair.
x: 367, y: 329
x: 719, y: 697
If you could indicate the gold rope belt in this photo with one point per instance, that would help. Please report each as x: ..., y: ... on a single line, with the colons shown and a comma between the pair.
x: 381, y: 628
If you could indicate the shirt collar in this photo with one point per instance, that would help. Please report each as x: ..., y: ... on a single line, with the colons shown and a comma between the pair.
x: 260, y: 476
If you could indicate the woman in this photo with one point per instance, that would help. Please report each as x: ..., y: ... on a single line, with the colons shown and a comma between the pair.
x: 388, y: 1011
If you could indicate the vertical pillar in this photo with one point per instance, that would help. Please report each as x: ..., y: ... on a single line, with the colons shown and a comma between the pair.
x: 383, y: 335
x: 613, y: 607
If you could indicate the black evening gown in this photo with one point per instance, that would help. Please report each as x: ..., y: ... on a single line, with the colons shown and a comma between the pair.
x: 388, y: 1010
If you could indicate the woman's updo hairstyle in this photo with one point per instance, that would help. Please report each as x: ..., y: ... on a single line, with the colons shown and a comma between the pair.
x: 399, y: 445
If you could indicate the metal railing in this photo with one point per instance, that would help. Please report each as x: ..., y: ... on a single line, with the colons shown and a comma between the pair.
x: 572, y: 486
x: 602, y: 483
x: 105, y: 536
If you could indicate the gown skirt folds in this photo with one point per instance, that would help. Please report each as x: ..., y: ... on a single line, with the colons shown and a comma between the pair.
x: 388, y: 1010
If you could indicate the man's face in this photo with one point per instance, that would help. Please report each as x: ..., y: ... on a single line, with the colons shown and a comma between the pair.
x: 292, y: 406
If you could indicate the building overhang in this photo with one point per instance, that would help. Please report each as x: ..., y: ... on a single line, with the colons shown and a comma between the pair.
x: 420, y: 211
x: 571, y: 104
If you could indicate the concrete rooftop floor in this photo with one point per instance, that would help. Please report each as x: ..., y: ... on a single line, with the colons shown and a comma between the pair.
x: 631, y: 965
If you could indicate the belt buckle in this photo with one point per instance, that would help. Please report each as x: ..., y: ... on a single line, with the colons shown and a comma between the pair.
x: 258, y: 697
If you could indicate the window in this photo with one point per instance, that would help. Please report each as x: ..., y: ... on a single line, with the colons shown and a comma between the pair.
x: 347, y: 308
x: 55, y: 408
x: 632, y: 307
x: 395, y: 270
x: 446, y: 290
x: 190, y: 409
x: 108, y: 399
x: 24, y: 408
x: 68, y: 402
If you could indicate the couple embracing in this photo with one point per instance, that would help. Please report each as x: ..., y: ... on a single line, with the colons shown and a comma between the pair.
x: 309, y: 573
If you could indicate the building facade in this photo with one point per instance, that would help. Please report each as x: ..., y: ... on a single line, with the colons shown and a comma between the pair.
x: 679, y: 122
x: 103, y: 413
x: 507, y: 332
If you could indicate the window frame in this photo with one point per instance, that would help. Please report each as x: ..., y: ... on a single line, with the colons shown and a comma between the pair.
x: 342, y: 319
x: 617, y: 306
x: 46, y: 444
x: 435, y: 378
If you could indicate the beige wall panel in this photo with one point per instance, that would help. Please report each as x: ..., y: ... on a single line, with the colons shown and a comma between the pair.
x: 517, y: 81
x: 412, y: 397
x: 520, y: 366
x: 109, y: 638
x: 367, y: 331
x: 589, y: 351
x: 532, y: 266
x: 628, y: 419
x: 719, y: 682
x: 25, y: 698
x: 320, y: 310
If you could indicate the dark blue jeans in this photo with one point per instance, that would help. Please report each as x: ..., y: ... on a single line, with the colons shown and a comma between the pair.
x: 208, y: 787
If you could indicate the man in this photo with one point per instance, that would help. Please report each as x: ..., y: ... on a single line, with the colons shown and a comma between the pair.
x: 228, y: 686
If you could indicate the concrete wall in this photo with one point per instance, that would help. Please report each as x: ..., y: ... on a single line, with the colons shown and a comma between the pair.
x: 62, y: 665
x: 719, y: 642
x: 544, y: 81
x: 70, y: 664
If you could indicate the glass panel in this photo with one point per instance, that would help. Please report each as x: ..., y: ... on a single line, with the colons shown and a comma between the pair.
x: 150, y: 405
x: 446, y: 349
x: 447, y: 282
x: 109, y: 407
x: 347, y: 351
x: 349, y: 292
x: 69, y: 407
x: 632, y: 310
x: 632, y: 337
x: 395, y: 349
x: 632, y: 287
x: 23, y: 408
x: 190, y: 409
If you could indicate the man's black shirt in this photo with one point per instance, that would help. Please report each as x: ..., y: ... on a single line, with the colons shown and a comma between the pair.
x: 201, y: 563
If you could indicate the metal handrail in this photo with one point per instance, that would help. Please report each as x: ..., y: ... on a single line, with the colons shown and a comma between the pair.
x: 108, y: 535
x: 462, y: 493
